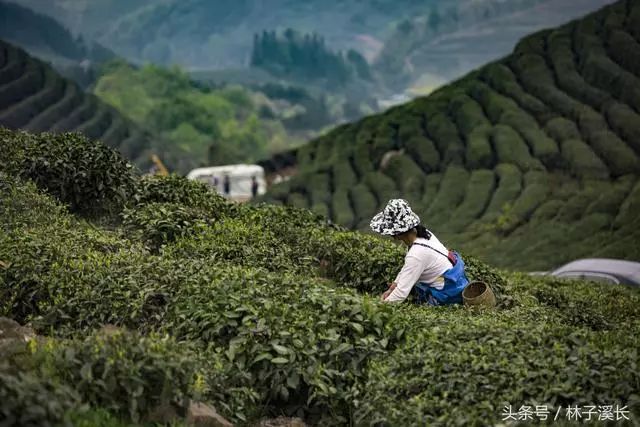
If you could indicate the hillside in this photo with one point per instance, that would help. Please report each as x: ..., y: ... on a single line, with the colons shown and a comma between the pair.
x: 143, y: 295
x: 527, y: 162
x: 35, y: 98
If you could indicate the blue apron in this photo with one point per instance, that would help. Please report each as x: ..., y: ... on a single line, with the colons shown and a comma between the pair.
x: 454, y: 283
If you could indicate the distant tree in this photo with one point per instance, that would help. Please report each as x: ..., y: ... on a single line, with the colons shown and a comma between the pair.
x: 434, y: 19
x: 360, y: 64
x: 256, y: 52
x: 306, y: 57
x: 452, y: 14
x: 405, y: 27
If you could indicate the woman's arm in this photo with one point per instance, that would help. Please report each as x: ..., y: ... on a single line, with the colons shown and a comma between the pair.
x: 392, y: 286
x: 408, y: 276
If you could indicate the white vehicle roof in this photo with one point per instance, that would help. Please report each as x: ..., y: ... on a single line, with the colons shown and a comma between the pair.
x: 240, y: 169
x: 619, y: 267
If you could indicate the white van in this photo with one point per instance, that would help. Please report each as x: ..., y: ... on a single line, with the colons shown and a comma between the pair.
x: 240, y: 179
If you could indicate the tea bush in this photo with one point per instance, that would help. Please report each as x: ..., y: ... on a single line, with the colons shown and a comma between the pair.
x: 562, y: 129
x: 582, y: 161
x: 297, y: 200
x: 27, y: 399
x: 320, y: 189
x: 536, y: 189
x: 424, y: 152
x: 343, y: 173
x: 445, y: 134
x: 500, y: 77
x: 431, y: 184
x: 478, y: 194
x: 124, y: 373
x: 292, y: 359
x: 467, y: 113
x: 494, y: 104
x: 361, y: 161
x: 624, y: 122
x: 364, y: 202
x: 177, y: 190
x: 542, y: 147
x: 509, y: 187
x: 476, y: 369
x: 88, y: 176
x: 628, y: 213
x: 382, y: 187
x: 479, y: 153
x: 407, y: 175
x: 341, y: 207
x: 23, y: 205
x: 618, y: 157
x: 510, y: 148
x: 450, y: 194
x: 609, y: 201
x: 160, y: 223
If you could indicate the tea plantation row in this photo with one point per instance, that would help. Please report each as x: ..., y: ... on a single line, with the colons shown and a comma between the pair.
x: 543, y: 139
x: 264, y: 310
x: 36, y: 98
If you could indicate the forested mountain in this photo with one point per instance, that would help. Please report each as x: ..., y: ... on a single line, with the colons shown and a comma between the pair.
x: 45, y: 35
x: 447, y: 42
x: 206, y: 34
x: 218, y: 34
x: 35, y: 98
x: 47, y: 39
x: 529, y: 161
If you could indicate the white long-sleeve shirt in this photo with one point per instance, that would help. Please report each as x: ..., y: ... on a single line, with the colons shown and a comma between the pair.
x: 421, y: 264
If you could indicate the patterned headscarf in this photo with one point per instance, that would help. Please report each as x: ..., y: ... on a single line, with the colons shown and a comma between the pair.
x: 396, y: 218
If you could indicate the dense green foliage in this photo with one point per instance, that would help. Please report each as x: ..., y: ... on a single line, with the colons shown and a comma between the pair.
x: 87, y: 176
x: 200, y: 126
x: 511, y: 162
x: 35, y: 98
x: 208, y: 123
x: 263, y: 310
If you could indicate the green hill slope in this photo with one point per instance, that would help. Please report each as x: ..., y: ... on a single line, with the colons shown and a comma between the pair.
x: 528, y: 162
x: 34, y: 97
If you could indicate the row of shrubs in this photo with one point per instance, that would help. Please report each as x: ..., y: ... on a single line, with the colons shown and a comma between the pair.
x: 34, y: 97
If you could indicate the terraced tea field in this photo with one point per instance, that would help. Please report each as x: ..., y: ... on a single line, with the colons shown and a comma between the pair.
x: 35, y: 98
x: 528, y: 162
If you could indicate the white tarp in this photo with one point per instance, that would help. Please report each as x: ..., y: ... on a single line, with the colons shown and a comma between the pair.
x: 239, y: 178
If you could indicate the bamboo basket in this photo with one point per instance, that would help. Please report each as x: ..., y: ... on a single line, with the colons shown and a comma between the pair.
x: 478, y: 294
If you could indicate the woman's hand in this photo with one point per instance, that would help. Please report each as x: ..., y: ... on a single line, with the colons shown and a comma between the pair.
x: 392, y: 286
